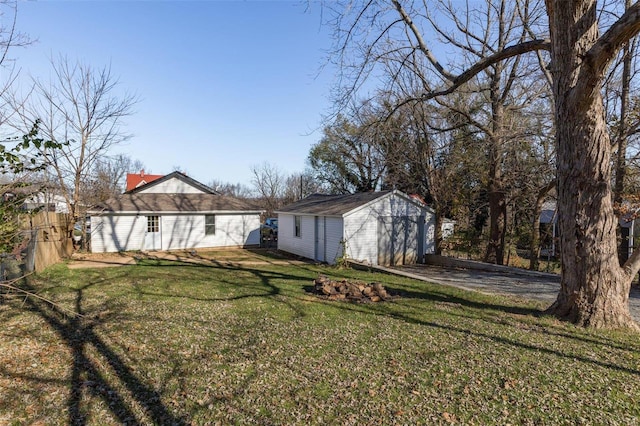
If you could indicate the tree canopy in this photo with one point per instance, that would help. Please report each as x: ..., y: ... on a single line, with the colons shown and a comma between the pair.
x: 575, y: 43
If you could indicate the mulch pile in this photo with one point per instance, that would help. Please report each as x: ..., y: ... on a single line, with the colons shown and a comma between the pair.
x: 350, y: 291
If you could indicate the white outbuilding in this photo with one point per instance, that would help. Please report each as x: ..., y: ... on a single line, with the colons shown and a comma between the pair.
x: 378, y: 228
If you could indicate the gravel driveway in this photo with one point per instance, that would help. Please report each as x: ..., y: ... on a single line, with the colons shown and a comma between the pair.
x: 514, y: 282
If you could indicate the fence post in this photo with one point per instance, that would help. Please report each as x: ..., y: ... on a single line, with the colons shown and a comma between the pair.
x: 30, y: 260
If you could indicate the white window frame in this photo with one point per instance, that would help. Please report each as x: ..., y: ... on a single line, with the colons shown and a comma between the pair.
x: 208, y: 226
x: 297, y: 226
x: 153, y: 223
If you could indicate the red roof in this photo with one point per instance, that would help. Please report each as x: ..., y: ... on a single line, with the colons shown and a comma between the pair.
x: 135, y: 180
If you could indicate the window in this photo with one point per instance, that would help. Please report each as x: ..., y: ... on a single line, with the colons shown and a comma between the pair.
x: 298, y: 229
x: 153, y: 223
x: 209, y: 224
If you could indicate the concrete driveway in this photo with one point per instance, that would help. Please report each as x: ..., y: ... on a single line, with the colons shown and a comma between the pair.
x: 506, y: 281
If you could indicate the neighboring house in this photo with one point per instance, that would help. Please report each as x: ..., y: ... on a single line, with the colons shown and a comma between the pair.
x: 173, y: 212
x: 448, y: 228
x: 34, y: 196
x: 548, y: 229
x: 629, y: 232
x: 379, y: 228
x: 46, y: 201
x: 448, y: 225
x: 136, y: 180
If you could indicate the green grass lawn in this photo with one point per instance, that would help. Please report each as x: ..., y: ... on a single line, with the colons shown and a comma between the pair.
x: 165, y: 342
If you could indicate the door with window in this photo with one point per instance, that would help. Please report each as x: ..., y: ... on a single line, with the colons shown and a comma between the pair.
x: 153, y: 238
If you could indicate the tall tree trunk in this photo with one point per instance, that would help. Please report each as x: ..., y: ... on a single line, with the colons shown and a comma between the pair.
x: 497, y: 195
x: 594, y: 288
x: 497, y: 224
x: 438, y: 231
x: 534, y: 250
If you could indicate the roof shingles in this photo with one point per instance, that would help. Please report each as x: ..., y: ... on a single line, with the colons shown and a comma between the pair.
x: 188, y: 203
x: 332, y: 205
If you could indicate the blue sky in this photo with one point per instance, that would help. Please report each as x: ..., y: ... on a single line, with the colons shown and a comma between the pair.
x: 223, y: 85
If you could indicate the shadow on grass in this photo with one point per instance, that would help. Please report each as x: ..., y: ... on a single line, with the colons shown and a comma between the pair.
x: 77, y: 332
x: 87, y: 377
x: 381, y: 310
x: 434, y: 296
x: 442, y: 297
x: 516, y: 310
x: 265, y: 277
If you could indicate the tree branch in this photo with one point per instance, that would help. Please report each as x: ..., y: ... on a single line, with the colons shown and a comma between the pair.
x: 606, y: 48
x: 508, y: 52
x: 423, y: 46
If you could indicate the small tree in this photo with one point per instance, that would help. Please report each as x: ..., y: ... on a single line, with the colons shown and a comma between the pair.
x: 18, y: 156
x: 79, y: 106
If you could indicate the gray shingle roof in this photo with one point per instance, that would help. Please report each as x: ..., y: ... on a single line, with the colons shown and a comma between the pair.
x: 331, y: 205
x: 139, y: 202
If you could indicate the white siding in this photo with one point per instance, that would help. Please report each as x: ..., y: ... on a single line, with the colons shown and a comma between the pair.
x: 111, y: 233
x: 430, y: 233
x: 187, y: 231
x: 361, y: 226
x: 46, y: 198
x: 171, y: 186
x: 333, y: 238
x: 361, y: 235
x: 304, y: 245
x: 448, y: 227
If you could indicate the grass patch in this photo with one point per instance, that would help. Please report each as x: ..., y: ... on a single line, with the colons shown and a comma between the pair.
x: 173, y: 342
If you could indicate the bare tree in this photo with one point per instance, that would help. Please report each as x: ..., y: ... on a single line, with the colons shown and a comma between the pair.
x: 444, y: 164
x: 269, y: 183
x: 624, y: 126
x: 10, y: 38
x: 237, y: 190
x: 79, y: 106
x: 502, y: 90
x: 594, y: 287
x: 108, y: 178
x: 300, y: 185
x: 508, y: 90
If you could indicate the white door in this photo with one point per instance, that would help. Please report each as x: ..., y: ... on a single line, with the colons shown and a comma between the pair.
x: 152, y: 237
x: 320, y: 239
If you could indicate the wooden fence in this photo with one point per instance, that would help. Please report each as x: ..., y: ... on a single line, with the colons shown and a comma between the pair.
x: 50, y: 240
